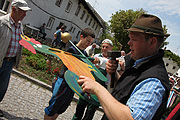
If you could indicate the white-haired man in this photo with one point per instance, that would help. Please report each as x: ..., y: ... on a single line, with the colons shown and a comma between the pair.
x: 10, y: 30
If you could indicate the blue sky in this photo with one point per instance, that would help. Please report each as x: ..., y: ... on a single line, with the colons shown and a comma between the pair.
x: 167, y: 10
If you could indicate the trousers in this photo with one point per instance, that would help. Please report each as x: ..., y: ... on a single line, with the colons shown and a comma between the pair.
x: 5, y: 72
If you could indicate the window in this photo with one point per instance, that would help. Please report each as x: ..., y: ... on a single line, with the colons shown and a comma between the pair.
x: 96, y: 27
x: 167, y: 64
x: 74, y: 30
x: 69, y: 5
x: 70, y: 29
x: 82, y: 16
x: 78, y: 34
x: 4, y: 4
x: 50, y: 23
x: 87, y: 18
x: 93, y: 24
x: 58, y: 3
x: 90, y: 22
x: 1, y: 4
x: 78, y: 10
x: 174, y: 67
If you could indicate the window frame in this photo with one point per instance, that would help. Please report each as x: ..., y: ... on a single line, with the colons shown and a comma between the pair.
x: 50, y: 23
x: 78, y: 10
x: 87, y: 18
x: 78, y: 34
x: 96, y: 27
x: 5, y: 5
x: 83, y: 14
x: 93, y: 24
x: 58, y: 3
x: 69, y: 6
x: 90, y: 22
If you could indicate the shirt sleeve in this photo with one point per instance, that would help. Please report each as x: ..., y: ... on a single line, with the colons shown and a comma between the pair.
x: 146, y: 99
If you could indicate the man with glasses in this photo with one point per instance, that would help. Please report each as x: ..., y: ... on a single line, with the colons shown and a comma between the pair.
x: 62, y: 93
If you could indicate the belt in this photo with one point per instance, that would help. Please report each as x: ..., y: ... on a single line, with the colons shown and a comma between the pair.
x: 10, y: 58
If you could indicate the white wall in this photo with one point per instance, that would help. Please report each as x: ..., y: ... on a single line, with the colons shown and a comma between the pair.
x: 170, y: 65
x: 37, y: 17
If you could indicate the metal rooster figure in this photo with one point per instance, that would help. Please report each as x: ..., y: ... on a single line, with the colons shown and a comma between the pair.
x: 85, y: 67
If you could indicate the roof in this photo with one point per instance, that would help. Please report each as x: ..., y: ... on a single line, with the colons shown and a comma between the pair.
x: 92, y: 12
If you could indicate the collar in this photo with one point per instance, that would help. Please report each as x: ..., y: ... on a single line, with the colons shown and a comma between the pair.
x: 140, y: 60
x: 160, y: 54
x: 12, y: 22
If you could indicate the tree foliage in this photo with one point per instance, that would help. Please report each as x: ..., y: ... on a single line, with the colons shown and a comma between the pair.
x: 106, y: 33
x: 165, y: 31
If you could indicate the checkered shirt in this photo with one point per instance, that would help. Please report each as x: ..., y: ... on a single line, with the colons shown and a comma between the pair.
x: 146, y: 98
x: 14, y: 42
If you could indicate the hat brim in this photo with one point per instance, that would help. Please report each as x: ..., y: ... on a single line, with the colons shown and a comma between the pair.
x: 25, y: 8
x: 142, y: 31
x: 135, y: 30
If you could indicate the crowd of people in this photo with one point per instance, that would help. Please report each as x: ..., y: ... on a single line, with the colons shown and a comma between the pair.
x: 139, y: 92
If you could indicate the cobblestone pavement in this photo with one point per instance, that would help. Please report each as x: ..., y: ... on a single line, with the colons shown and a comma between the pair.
x: 25, y: 100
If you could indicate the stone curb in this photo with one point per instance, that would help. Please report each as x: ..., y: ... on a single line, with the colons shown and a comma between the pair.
x: 42, y: 84
x: 33, y: 80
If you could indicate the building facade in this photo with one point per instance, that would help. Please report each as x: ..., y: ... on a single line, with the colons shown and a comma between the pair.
x: 170, y: 65
x: 75, y: 15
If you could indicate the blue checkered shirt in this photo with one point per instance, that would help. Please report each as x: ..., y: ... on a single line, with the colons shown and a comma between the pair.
x: 146, y: 98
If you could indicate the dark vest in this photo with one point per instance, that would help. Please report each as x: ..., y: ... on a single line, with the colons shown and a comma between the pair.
x: 152, y: 67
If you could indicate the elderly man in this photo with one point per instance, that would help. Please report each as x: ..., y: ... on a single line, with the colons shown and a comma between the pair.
x: 142, y: 90
x: 102, y: 58
x: 10, y: 30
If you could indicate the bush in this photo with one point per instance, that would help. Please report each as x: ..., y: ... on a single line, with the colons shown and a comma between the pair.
x: 37, y: 61
x: 26, y: 52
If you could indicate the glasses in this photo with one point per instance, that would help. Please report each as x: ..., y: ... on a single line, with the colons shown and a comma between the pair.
x: 89, y: 39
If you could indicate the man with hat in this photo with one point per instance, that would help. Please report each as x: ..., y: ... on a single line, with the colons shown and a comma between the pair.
x: 102, y: 58
x: 10, y: 30
x: 142, y: 90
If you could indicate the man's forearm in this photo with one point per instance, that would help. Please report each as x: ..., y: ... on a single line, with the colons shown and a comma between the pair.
x: 113, y: 109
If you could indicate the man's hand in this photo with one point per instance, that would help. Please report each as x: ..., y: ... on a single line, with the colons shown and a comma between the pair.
x: 88, y: 85
x: 96, y: 61
x: 111, y: 66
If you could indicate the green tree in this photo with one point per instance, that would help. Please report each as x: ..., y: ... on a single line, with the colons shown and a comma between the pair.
x: 165, y: 31
x: 106, y: 33
x: 120, y: 21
